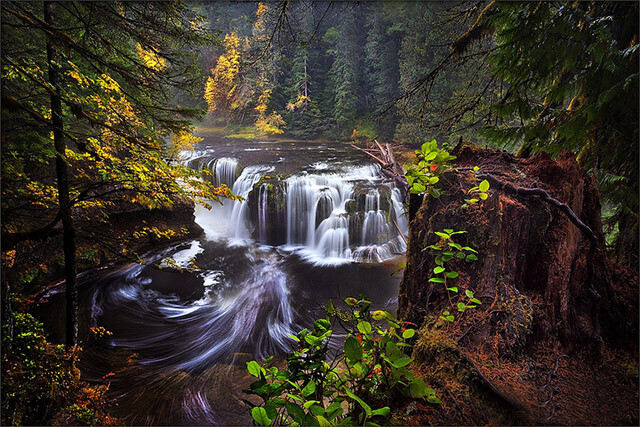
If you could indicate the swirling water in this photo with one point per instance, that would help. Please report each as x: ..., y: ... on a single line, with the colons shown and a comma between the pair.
x: 317, y: 222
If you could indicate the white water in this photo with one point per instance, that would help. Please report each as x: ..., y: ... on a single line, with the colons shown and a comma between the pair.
x: 316, y: 218
x: 230, y: 220
x: 257, y: 314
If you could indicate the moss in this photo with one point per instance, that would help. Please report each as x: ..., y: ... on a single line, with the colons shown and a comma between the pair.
x: 446, y: 367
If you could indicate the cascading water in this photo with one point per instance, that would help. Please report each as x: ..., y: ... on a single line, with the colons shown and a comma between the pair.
x: 198, y: 310
x: 230, y: 219
x: 329, y: 218
x: 262, y: 212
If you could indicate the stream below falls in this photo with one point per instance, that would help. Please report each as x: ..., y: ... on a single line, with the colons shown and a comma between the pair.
x: 317, y: 222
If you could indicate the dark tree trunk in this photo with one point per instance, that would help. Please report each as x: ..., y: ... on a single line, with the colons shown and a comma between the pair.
x: 69, y: 246
x: 530, y: 253
x: 553, y: 307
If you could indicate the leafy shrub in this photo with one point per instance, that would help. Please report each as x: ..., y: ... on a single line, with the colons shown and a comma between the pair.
x: 431, y: 162
x: 41, y: 383
x: 354, y: 387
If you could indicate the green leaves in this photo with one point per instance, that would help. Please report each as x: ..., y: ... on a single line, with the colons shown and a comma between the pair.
x: 309, y: 389
x: 367, y: 408
x: 447, y: 316
x: 442, y: 259
x: 376, y: 365
x: 481, y: 191
x: 364, y: 327
x: 255, y: 369
x: 431, y: 162
x: 352, y: 349
x: 408, y: 333
x: 259, y: 415
x: 398, y: 359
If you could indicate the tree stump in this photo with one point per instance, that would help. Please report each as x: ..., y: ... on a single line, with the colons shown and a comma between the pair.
x: 545, y: 283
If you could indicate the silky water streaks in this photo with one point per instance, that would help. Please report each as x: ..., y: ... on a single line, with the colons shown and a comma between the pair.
x: 243, y: 312
x: 315, y: 223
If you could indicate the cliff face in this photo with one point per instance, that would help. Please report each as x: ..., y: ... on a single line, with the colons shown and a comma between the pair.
x: 547, y: 290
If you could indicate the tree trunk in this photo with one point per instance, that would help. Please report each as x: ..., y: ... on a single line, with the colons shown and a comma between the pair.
x: 7, y: 318
x: 532, y: 258
x: 552, y: 308
x: 69, y: 246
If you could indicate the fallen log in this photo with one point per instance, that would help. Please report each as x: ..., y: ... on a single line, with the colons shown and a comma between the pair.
x: 390, y: 168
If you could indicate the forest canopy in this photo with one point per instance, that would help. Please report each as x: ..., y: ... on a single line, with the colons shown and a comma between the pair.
x: 519, y: 76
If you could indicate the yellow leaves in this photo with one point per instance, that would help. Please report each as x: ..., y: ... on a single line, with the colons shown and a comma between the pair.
x: 108, y: 84
x: 42, y: 194
x: 220, y: 86
x: 262, y: 9
x: 259, y: 25
x: 261, y: 108
x: 231, y: 42
x: 154, y: 232
x: 74, y: 73
x: 301, y: 101
x: 182, y: 141
x: 270, y: 124
x: 150, y: 58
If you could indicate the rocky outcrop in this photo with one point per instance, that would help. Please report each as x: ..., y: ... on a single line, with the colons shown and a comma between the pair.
x: 125, y: 233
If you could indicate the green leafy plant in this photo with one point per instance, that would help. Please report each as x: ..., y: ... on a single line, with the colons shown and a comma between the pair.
x: 432, y: 161
x: 40, y: 381
x: 479, y: 190
x: 354, y: 387
x: 446, y: 251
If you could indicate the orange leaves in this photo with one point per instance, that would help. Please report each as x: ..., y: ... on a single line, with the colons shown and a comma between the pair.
x: 8, y: 258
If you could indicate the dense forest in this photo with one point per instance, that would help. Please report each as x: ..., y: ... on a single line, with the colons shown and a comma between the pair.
x: 319, y: 213
x: 327, y: 70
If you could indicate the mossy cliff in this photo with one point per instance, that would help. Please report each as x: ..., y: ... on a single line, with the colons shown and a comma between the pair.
x: 550, y: 326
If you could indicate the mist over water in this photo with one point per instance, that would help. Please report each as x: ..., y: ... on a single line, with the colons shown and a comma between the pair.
x: 317, y: 222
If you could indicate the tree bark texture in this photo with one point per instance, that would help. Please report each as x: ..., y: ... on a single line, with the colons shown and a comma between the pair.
x: 69, y: 246
x: 538, y: 274
x: 556, y: 317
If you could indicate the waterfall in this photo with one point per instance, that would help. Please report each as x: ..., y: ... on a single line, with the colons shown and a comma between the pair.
x: 225, y: 171
x: 330, y: 217
x: 262, y: 212
x: 230, y: 219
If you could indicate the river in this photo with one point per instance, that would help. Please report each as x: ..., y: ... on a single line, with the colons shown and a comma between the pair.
x: 317, y: 222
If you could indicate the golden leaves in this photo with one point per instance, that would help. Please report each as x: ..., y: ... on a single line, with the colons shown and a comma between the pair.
x: 221, y: 86
x: 150, y: 58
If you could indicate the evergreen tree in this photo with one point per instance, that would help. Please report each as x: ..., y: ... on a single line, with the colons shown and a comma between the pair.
x: 85, y: 91
x: 570, y: 73
x: 344, y: 74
